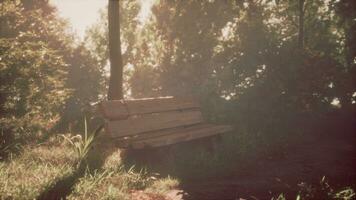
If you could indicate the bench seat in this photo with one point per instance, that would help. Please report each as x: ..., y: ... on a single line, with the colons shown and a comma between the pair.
x: 148, y: 123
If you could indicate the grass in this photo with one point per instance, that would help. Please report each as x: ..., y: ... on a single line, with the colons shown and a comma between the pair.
x: 161, y: 186
x: 39, y: 167
x: 27, y: 175
x: 119, y: 184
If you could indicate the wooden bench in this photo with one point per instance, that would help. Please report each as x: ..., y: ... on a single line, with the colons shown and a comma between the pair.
x: 142, y: 123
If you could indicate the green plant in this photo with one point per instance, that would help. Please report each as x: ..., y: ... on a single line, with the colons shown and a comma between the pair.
x: 321, y: 191
x: 163, y: 185
x: 82, y: 145
x: 281, y: 197
x: 138, y: 179
x: 345, y: 194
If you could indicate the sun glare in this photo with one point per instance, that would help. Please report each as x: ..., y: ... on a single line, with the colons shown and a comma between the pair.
x: 145, y: 11
x: 83, y: 13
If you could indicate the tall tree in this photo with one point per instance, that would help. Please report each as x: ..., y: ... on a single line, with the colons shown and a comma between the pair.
x: 116, y: 64
x: 301, y: 24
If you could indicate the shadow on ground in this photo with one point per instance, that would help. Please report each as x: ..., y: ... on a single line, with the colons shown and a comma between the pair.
x: 95, y: 160
x: 327, y: 150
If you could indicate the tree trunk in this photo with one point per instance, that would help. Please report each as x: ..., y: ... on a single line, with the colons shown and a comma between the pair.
x: 116, y: 65
x: 301, y: 24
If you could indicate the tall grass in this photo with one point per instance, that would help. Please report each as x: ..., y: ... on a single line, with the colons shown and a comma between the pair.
x: 80, y: 145
x: 26, y: 175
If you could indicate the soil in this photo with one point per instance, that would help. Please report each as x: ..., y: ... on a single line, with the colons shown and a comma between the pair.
x: 281, y: 172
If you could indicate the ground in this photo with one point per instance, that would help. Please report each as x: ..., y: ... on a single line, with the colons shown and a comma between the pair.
x: 281, y: 172
x: 312, y: 166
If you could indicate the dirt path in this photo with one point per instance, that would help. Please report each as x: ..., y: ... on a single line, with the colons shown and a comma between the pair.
x: 174, y: 194
x: 307, y: 162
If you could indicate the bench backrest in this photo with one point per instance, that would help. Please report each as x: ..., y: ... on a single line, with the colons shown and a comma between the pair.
x: 133, y: 117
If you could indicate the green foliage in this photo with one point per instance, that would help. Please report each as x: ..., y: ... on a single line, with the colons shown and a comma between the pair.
x: 86, y: 82
x: 44, y: 78
x: 241, y: 51
x: 32, y: 73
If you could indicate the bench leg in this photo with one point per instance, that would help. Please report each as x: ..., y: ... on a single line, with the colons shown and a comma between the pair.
x: 213, y: 144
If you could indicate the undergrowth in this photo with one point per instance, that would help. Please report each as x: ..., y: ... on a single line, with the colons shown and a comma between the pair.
x: 39, y: 167
x: 323, y: 190
x: 27, y: 175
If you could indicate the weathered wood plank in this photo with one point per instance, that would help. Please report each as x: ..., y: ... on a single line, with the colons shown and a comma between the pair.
x: 176, y: 136
x: 152, y: 122
x: 155, y: 134
x: 118, y: 109
x: 143, y: 106
x: 113, y: 110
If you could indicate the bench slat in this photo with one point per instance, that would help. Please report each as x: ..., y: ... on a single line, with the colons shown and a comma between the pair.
x: 152, y: 122
x: 144, y: 106
x: 159, y: 133
x: 113, y: 110
x: 179, y: 135
x: 119, y: 109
